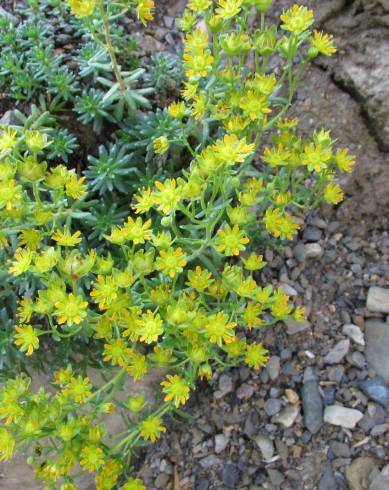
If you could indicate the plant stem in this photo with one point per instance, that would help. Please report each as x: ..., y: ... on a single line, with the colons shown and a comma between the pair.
x: 109, y: 45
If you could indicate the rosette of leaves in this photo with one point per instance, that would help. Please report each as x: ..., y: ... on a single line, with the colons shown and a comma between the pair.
x: 104, y: 215
x: 142, y: 135
x: 165, y: 73
x: 111, y: 169
x: 63, y: 143
x: 92, y: 107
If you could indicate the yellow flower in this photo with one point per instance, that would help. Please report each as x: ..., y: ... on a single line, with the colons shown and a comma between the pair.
x: 92, y: 458
x: 22, y: 261
x: 137, y: 231
x: 144, y: 201
x: 133, y: 484
x: 65, y: 238
x: 276, y: 157
x: 167, y: 195
x: 230, y: 241
x: 105, y: 291
x: 27, y: 339
x: 137, y: 365
x: 219, y: 329
x: 30, y: 237
x: 333, y: 193
x: 299, y: 314
x: 74, y: 187
x: 255, y: 106
x: 199, y: 105
x: 205, y: 372
x: 232, y: 149
x: 171, y: 261
x: 322, y: 43
x: 176, y: 389
x: 199, y: 279
x: 10, y: 194
x: 36, y: 141
x: 151, y: 428
x: 144, y: 11
x: 344, y: 161
x: 280, y: 224
x: 109, y: 474
x: 315, y: 157
x: 82, y: 8
x: 149, y: 327
x: 176, y: 110
x: 190, y: 90
x: 72, y: 310
x: 7, y: 139
x: 79, y: 389
x: 280, y: 307
x: 256, y: 356
x: 161, y: 145
x: 116, y: 351
x: 254, y: 262
x: 199, y: 5
x: 297, y: 19
x: 25, y: 309
x: 228, y: 9
x: 251, y: 315
x: 7, y: 444
x: 136, y: 403
x: 197, y: 64
x: 197, y: 41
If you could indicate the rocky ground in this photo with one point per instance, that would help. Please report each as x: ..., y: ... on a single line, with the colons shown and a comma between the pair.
x: 318, y: 416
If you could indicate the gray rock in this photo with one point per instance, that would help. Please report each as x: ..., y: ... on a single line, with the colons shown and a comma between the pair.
x: 354, y: 333
x: 209, y: 461
x: 340, y: 449
x: 245, y: 391
x: 313, y: 250
x: 251, y: 423
x: 273, y: 367
x: 272, y: 406
x: 357, y: 473
x: 378, y: 480
x: 378, y: 430
x: 327, y: 481
x: 221, y: 442
x: 276, y: 477
x: 299, y: 252
x: 288, y: 289
x: 287, y: 416
x: 312, y: 403
x: 376, y: 390
x: 377, y: 347
x: 294, y: 327
x: 230, y: 475
x: 378, y: 300
x: 266, y: 446
x: 8, y: 119
x: 226, y: 386
x: 357, y: 359
x: 342, y: 416
x: 312, y: 234
x: 365, y: 74
x: 337, y: 353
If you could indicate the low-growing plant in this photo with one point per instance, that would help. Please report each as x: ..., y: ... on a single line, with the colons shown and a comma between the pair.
x: 175, y: 285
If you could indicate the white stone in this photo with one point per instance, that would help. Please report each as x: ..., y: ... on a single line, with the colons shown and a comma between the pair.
x: 378, y: 300
x: 266, y: 446
x: 313, y: 250
x: 287, y: 416
x: 355, y: 333
x: 221, y: 442
x: 342, y: 416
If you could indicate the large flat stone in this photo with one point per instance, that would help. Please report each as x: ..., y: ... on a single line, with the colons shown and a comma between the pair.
x: 377, y: 347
